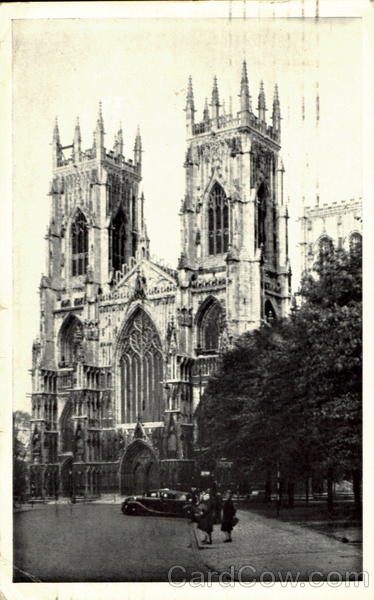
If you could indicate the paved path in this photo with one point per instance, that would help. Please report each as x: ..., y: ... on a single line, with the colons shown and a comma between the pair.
x: 96, y: 542
x: 267, y: 549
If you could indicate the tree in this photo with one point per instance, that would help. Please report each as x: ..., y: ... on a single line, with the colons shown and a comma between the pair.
x: 290, y: 394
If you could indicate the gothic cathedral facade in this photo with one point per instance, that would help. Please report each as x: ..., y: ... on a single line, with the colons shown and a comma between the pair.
x: 126, y: 345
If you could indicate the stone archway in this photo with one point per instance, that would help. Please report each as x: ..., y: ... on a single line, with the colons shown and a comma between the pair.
x: 139, y: 469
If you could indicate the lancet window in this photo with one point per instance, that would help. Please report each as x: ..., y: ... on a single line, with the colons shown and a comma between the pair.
x: 218, y: 221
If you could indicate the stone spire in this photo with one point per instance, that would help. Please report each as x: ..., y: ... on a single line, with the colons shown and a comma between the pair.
x: 276, y: 110
x: 215, y: 100
x: 261, y: 103
x: 190, y: 108
x: 245, y: 99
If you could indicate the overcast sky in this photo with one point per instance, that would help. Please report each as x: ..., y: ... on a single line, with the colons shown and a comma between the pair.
x: 138, y: 69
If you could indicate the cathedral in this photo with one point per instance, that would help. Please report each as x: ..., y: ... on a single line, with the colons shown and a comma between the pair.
x: 126, y: 345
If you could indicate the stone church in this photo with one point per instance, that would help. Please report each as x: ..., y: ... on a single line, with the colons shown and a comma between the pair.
x: 126, y: 345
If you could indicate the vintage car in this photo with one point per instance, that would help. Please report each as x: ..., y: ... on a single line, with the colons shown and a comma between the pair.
x: 166, y: 502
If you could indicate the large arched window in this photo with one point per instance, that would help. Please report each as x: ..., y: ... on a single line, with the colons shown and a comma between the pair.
x: 210, y: 326
x: 141, y: 371
x: 79, y: 245
x: 118, y: 241
x: 218, y: 221
x: 71, y: 336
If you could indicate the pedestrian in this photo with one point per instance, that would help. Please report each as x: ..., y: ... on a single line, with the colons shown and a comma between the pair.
x: 228, y: 517
x: 206, y: 518
x: 218, y: 508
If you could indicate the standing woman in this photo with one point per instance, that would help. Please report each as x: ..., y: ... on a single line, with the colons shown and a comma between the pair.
x: 206, y: 519
x: 228, y: 517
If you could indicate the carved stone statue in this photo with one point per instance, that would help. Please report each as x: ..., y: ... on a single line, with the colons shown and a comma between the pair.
x: 140, y: 287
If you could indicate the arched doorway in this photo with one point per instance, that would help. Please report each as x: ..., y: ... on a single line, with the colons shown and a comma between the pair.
x: 139, y: 469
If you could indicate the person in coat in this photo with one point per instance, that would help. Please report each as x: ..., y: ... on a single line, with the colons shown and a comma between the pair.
x: 228, y: 517
x: 206, y: 518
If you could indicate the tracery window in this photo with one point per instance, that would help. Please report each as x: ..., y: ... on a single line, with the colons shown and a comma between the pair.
x: 79, y: 245
x: 118, y: 241
x: 218, y: 221
x: 141, y: 371
x: 209, y: 327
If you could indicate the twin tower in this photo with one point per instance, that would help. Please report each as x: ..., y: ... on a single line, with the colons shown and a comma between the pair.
x: 126, y: 345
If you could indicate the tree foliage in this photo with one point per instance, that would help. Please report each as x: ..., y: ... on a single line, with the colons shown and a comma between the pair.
x: 290, y: 394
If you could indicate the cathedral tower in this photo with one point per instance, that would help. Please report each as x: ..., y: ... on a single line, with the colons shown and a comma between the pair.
x: 234, y: 215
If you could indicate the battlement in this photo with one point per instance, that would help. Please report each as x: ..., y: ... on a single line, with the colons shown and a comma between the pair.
x: 228, y: 121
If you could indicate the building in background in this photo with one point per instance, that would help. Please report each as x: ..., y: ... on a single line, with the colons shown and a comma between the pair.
x: 126, y: 344
x: 337, y: 225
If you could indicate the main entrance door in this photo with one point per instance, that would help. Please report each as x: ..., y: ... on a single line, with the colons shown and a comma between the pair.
x: 139, y: 470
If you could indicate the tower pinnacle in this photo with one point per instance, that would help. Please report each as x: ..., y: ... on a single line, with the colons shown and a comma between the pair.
x: 261, y: 102
x: 99, y: 134
x: 190, y: 105
x: 190, y: 109
x: 77, y: 140
x: 56, y: 133
x: 100, y: 120
x: 276, y: 117
x: 138, y: 147
x: 245, y: 99
x: 215, y: 99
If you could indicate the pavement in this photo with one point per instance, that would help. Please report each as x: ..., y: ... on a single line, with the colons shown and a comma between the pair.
x: 267, y: 549
x: 94, y: 541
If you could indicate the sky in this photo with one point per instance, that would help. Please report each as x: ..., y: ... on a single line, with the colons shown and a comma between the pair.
x: 138, y: 69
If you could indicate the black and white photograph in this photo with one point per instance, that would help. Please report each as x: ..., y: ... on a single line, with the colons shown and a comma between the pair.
x: 187, y: 185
